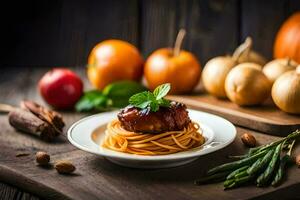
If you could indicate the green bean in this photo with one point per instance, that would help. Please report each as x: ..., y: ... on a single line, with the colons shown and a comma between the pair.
x: 265, y: 176
x: 254, y: 150
x: 236, y: 164
x: 251, y: 152
x: 283, y: 162
x: 280, y: 172
x: 232, y: 174
x: 228, y: 182
x: 241, y: 174
x: 215, y: 177
x: 238, y: 182
x: 291, y: 136
x: 256, y: 167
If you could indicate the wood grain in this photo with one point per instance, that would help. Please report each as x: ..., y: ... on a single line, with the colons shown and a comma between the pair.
x: 63, y: 32
x: 8, y: 192
x: 266, y: 118
x: 97, y: 178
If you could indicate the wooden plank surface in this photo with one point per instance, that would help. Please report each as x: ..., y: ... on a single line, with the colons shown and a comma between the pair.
x: 8, y: 192
x: 97, y: 178
x: 62, y: 32
x: 266, y: 118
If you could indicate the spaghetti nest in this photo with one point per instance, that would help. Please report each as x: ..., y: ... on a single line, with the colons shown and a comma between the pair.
x: 118, y: 139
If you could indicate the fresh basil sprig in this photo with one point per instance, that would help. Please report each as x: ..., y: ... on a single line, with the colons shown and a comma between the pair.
x: 152, y: 100
x: 113, y: 96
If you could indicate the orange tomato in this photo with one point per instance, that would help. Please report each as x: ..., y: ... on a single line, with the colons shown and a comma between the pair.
x: 114, y: 60
x: 182, y: 71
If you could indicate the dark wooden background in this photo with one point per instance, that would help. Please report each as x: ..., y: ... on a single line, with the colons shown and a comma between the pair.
x: 62, y: 32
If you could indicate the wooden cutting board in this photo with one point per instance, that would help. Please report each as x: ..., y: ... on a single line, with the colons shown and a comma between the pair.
x: 266, y: 118
x: 96, y: 177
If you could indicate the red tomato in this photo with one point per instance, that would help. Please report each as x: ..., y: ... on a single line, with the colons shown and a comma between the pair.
x: 61, y: 88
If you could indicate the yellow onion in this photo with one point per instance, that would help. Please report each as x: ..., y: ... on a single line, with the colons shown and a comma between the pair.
x: 286, y: 91
x: 214, y: 74
x: 245, y: 53
x: 216, y: 69
x: 252, y: 56
x: 277, y: 67
x: 246, y: 85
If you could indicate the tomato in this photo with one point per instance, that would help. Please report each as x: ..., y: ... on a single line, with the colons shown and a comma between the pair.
x: 61, y: 88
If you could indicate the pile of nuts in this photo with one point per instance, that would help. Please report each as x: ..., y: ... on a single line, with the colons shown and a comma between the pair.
x: 61, y: 166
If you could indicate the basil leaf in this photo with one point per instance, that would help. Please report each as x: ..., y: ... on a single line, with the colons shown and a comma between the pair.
x: 120, y: 92
x: 162, y: 91
x: 141, y: 100
x: 164, y: 102
x: 123, y: 89
x: 91, y: 100
x: 154, y: 106
x: 152, y: 100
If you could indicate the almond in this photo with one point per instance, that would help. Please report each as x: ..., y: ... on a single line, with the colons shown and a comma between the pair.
x: 42, y: 158
x: 248, y: 140
x: 64, y: 167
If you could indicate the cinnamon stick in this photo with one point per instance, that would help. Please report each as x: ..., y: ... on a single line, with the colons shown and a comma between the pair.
x: 27, y: 122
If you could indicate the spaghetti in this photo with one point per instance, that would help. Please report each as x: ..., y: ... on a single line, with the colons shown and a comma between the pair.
x: 119, y: 139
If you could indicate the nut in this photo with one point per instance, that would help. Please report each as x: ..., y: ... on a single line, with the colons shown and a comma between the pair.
x: 64, y: 167
x: 248, y: 140
x: 298, y: 160
x: 42, y: 158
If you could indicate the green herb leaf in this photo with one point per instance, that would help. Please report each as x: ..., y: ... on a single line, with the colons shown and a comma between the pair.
x: 152, y: 100
x: 91, y: 100
x: 114, y: 95
x: 162, y: 91
x: 120, y: 92
x: 164, y: 102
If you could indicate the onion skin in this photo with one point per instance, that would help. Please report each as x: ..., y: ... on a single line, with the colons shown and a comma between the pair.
x: 286, y: 92
x: 214, y: 75
x: 252, y: 57
x: 246, y: 85
x: 277, y: 67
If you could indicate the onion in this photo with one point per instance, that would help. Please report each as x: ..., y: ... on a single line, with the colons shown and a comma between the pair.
x: 252, y: 56
x: 244, y: 53
x: 216, y: 69
x: 247, y: 85
x: 277, y: 67
x: 286, y: 91
x: 214, y: 74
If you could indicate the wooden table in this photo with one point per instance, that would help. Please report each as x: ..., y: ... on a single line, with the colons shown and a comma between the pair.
x: 97, y: 178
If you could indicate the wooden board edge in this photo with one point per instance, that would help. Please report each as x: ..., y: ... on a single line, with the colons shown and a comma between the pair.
x: 14, y: 178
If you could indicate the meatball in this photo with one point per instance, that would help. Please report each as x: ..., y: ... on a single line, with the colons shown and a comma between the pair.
x: 173, y: 118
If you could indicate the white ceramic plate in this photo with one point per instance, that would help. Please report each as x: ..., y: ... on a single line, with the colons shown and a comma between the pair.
x: 218, y: 133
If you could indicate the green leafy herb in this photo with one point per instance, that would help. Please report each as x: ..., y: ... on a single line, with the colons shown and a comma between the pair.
x: 152, y: 100
x: 114, y: 95
x: 91, y: 100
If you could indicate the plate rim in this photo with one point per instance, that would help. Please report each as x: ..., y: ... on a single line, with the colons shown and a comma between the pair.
x: 134, y: 157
